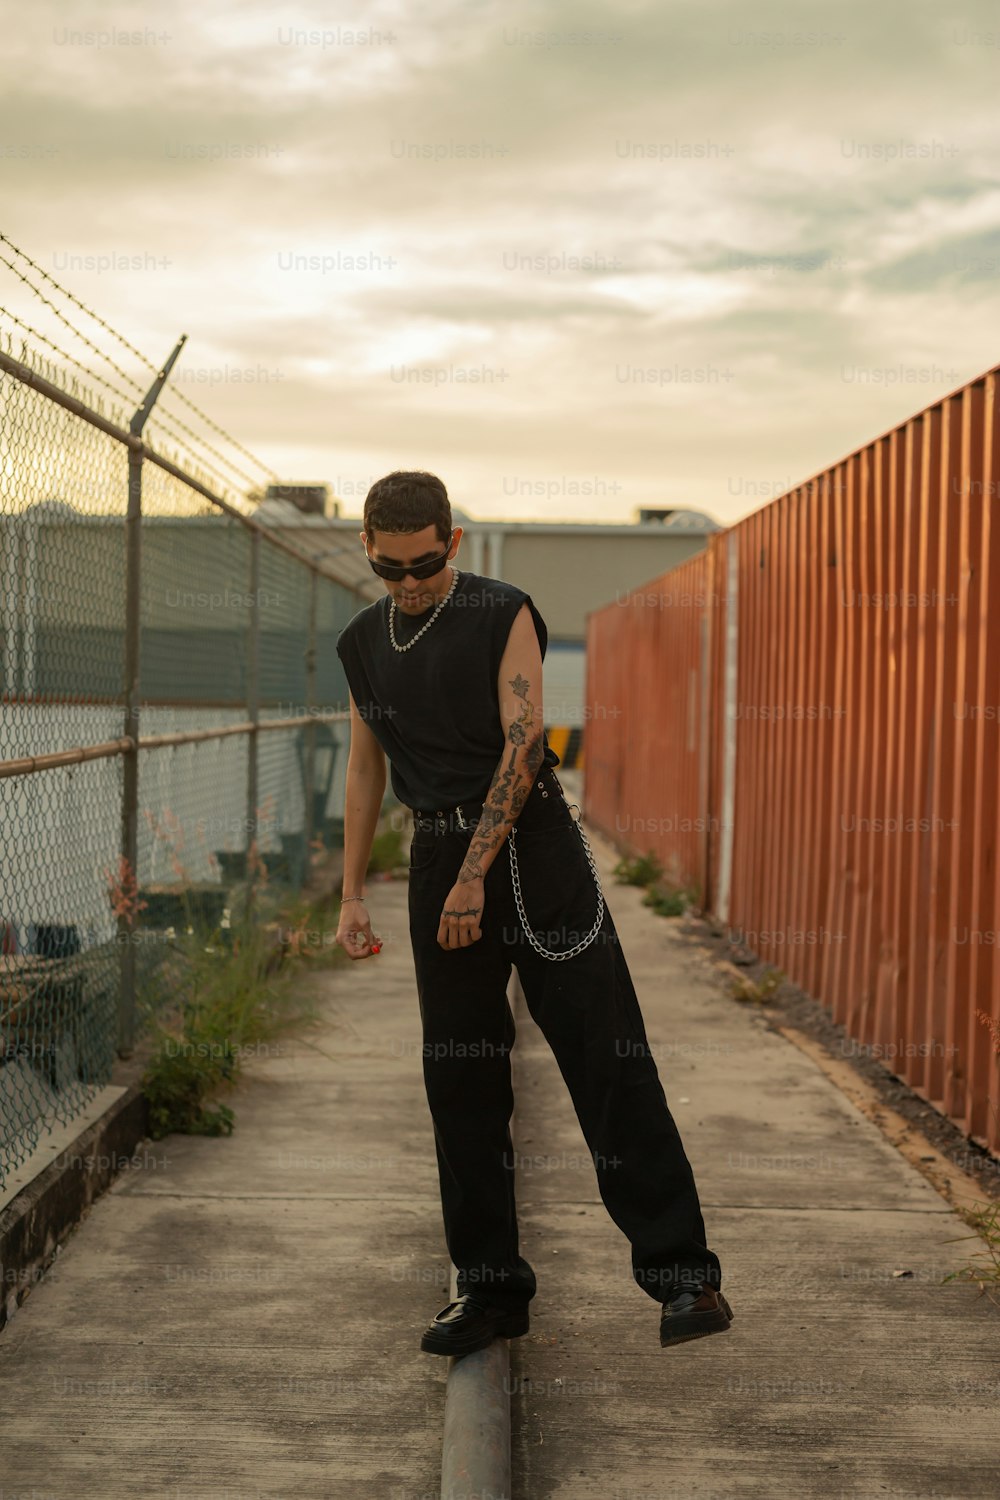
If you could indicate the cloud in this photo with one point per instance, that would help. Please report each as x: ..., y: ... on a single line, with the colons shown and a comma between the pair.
x: 660, y: 235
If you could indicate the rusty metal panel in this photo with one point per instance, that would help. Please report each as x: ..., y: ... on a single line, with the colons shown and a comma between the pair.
x: 861, y: 744
x: 944, y: 821
x: 881, y: 826
x: 644, y: 663
x: 964, y: 497
x: 918, y: 1020
x: 801, y: 732
x: 843, y: 798
x: 902, y: 921
x: 897, y: 610
x: 982, y: 1115
x: 719, y: 606
x: 820, y: 673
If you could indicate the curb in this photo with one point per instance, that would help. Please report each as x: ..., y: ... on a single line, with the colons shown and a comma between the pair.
x: 43, y: 1214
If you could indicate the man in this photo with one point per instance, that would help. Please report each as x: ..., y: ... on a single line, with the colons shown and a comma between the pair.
x: 445, y: 678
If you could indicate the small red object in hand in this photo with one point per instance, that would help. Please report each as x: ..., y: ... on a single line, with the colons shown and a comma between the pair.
x: 376, y: 947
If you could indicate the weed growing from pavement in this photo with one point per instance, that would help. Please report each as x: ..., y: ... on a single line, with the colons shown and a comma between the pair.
x: 756, y: 991
x: 387, y: 851
x: 222, y: 990
x: 665, y: 899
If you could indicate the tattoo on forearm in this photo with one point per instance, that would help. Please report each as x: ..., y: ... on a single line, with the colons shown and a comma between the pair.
x: 511, y: 784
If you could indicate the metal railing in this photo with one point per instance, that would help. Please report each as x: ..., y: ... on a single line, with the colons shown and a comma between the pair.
x: 809, y: 740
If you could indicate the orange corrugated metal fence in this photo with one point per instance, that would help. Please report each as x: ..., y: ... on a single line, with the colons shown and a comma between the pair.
x: 802, y: 723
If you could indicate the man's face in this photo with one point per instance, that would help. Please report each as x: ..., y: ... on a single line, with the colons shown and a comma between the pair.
x: 413, y: 595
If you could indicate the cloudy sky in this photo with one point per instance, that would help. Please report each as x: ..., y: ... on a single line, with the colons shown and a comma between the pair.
x: 574, y: 259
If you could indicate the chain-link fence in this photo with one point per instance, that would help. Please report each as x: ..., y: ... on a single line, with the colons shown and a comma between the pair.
x: 169, y: 696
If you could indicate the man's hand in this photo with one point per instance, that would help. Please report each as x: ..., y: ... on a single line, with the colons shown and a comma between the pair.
x: 354, y: 931
x: 461, y: 915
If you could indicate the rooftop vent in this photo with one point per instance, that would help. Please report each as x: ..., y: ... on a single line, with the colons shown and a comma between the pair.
x: 311, y: 499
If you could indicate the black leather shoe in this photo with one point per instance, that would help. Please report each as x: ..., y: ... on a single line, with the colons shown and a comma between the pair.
x: 693, y: 1314
x: 468, y: 1324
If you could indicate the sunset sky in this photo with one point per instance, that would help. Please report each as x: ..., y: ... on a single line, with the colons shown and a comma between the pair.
x: 573, y: 259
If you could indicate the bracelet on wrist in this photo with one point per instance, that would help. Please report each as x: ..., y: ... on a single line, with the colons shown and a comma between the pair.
x: 352, y: 898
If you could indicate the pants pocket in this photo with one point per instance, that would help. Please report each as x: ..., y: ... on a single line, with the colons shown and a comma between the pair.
x: 423, y: 848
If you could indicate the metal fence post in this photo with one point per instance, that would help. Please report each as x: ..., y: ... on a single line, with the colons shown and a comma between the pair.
x: 130, y: 759
x: 129, y: 868
x: 253, y: 714
x: 309, y: 778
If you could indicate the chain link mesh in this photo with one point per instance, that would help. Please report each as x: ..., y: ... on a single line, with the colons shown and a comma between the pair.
x: 220, y: 628
x: 63, y: 494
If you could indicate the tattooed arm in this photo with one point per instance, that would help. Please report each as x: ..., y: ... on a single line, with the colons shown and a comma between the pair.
x: 519, y: 698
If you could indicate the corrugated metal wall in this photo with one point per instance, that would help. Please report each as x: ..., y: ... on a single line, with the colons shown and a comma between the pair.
x: 802, y: 723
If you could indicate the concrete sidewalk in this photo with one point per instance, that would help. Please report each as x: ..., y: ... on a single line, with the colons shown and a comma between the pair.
x: 239, y: 1318
x: 836, y: 1378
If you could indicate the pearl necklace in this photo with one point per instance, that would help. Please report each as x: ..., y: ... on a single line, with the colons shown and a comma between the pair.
x: 427, y: 623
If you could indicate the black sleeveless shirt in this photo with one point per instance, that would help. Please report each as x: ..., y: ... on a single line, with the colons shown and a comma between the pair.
x: 434, y: 709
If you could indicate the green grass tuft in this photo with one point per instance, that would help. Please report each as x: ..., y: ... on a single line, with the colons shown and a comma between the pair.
x: 387, y: 851
x: 221, y: 992
x: 641, y: 871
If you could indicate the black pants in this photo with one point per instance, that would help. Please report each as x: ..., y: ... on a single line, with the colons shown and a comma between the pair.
x: 586, y: 1007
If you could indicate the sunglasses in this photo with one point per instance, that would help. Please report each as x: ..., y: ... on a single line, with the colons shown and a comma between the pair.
x: 395, y: 571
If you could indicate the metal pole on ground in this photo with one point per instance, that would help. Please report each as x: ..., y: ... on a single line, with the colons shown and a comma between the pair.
x: 475, y: 1460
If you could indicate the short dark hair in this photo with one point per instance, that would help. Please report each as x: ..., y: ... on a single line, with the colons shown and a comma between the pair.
x: 408, y: 501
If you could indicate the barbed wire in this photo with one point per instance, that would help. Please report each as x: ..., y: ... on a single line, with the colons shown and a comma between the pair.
x: 128, y: 379
x: 160, y: 416
x: 219, y: 474
x: 65, y: 354
x: 170, y: 392
x: 27, y: 353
